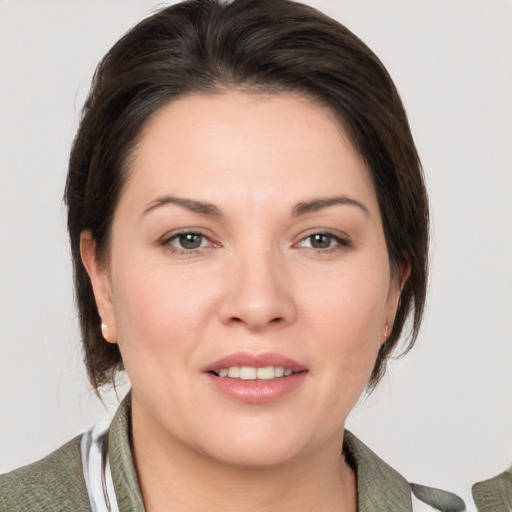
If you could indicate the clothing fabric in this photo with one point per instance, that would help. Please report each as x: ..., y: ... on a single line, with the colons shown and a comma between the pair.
x: 96, y: 469
x: 495, y: 494
x: 57, y: 483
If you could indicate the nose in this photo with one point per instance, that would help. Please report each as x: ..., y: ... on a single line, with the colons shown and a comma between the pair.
x: 258, y: 293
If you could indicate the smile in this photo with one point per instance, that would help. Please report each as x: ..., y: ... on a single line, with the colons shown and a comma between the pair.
x: 253, y: 373
x: 255, y: 378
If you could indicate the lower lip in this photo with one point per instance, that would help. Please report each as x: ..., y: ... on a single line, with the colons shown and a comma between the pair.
x: 257, y: 391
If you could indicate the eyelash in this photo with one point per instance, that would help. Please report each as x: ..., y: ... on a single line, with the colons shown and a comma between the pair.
x: 337, y: 242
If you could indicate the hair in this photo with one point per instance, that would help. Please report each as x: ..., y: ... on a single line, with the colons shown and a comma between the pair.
x: 253, y: 46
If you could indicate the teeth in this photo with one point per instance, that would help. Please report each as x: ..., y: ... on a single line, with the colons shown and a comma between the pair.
x: 233, y: 372
x: 265, y: 373
x: 252, y: 373
x: 247, y: 373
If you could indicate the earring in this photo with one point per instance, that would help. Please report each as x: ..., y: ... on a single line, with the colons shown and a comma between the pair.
x: 386, y: 331
x: 104, y: 326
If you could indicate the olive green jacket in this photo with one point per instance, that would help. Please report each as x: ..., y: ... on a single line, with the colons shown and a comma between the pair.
x: 56, y: 482
x: 494, y: 495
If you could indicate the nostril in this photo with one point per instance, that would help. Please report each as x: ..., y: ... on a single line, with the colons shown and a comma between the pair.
x: 240, y: 320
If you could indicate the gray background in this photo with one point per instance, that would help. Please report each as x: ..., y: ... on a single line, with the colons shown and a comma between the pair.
x: 443, y: 415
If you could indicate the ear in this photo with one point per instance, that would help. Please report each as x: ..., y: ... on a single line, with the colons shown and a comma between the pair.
x: 396, y: 286
x: 101, y: 285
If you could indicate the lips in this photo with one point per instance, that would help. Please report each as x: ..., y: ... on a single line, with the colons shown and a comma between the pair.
x: 255, y: 378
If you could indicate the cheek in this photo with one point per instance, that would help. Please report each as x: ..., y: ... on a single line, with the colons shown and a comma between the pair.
x: 351, y: 305
x: 347, y: 316
x: 158, y: 315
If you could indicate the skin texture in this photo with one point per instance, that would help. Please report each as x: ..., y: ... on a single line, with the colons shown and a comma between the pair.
x: 257, y: 283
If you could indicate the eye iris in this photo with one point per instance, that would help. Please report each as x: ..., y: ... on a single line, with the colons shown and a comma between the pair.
x: 320, y: 241
x: 190, y: 240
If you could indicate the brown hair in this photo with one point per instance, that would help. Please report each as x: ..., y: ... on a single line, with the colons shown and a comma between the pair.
x: 269, y: 46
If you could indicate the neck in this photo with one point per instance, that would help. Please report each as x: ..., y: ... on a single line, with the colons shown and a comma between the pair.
x: 176, y: 477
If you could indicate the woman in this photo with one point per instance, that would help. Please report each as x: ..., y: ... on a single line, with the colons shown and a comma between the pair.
x: 249, y: 230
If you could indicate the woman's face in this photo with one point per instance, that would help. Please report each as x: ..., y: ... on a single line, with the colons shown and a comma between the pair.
x: 248, y: 242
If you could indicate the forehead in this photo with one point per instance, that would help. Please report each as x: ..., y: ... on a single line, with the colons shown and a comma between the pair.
x: 245, y: 147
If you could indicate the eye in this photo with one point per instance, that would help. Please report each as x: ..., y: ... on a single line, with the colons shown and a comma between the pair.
x: 323, y: 241
x: 188, y: 241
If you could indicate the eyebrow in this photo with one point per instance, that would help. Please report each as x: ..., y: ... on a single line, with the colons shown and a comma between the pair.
x: 209, y: 209
x: 201, y: 207
x: 319, y: 204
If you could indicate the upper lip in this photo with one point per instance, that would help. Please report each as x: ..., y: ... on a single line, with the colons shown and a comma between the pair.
x: 254, y: 360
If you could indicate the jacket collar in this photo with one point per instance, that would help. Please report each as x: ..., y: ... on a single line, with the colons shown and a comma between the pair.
x: 124, y: 476
x: 379, y: 486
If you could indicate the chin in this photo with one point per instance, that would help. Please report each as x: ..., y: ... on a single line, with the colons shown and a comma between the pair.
x: 251, y: 457
x: 253, y: 447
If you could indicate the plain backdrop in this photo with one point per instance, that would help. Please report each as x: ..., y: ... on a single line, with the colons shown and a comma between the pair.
x: 443, y: 415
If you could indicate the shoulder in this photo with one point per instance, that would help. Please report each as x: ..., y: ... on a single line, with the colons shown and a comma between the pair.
x: 53, y: 483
